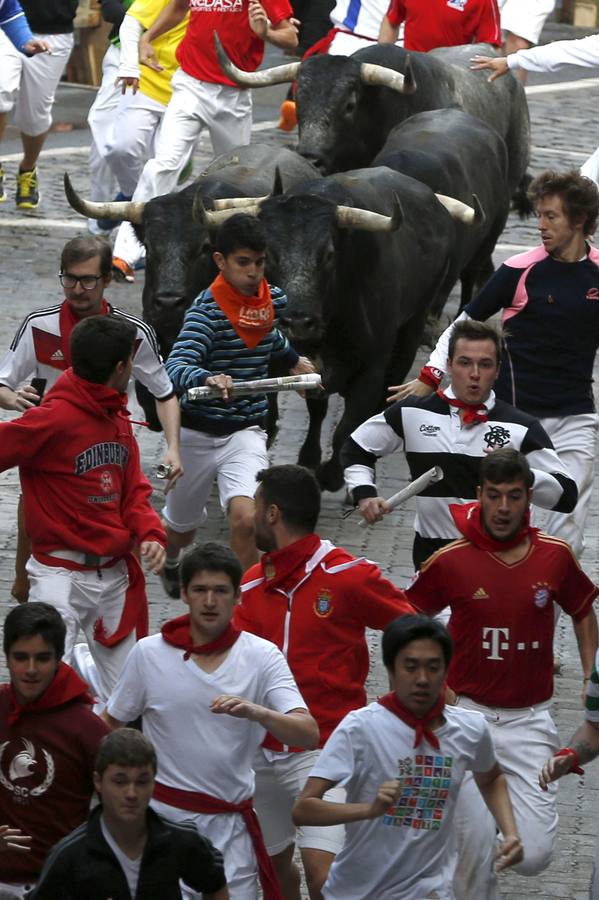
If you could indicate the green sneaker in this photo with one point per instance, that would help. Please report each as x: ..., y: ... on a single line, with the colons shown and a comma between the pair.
x: 2, y: 192
x: 28, y: 195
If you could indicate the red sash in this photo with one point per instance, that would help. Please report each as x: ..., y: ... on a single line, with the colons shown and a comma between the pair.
x: 195, y: 801
x: 322, y: 46
x: 135, y: 608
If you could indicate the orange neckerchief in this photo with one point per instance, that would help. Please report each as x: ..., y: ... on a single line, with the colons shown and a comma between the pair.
x: 251, y: 317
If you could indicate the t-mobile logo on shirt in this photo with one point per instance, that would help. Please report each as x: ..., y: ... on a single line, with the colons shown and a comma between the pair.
x: 231, y: 6
x: 496, y: 639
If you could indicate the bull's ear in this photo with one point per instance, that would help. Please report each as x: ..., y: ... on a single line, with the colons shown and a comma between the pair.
x: 198, y: 210
x: 479, y: 213
x: 277, y: 185
x: 409, y: 79
x: 397, y: 218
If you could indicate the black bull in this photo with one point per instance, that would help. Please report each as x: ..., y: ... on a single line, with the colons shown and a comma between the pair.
x: 456, y: 154
x: 358, y: 299
x: 345, y: 111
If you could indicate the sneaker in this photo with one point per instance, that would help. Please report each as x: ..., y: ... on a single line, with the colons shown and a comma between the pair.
x: 186, y: 173
x: 2, y: 193
x: 288, y: 119
x: 28, y: 195
x: 122, y: 271
x: 170, y: 580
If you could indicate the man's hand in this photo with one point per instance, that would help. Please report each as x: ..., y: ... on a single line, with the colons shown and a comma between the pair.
x: 25, y: 397
x: 509, y: 852
x: 386, y: 796
x: 126, y: 82
x: 497, y: 64
x: 147, y: 56
x: 555, y: 768
x: 258, y: 19
x: 237, y: 707
x: 415, y: 388
x: 31, y: 48
x: 172, y: 458
x: 373, y: 509
x: 14, y: 839
x: 303, y: 366
x: 223, y: 382
x: 153, y: 555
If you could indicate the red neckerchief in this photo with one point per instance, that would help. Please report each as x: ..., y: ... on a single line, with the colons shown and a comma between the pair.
x: 177, y: 633
x: 66, y: 322
x: 280, y: 565
x: 473, y: 412
x: 420, y: 725
x: 251, y: 317
x: 64, y: 687
x: 468, y: 519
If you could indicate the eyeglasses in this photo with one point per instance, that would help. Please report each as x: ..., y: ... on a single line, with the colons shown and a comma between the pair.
x: 87, y: 282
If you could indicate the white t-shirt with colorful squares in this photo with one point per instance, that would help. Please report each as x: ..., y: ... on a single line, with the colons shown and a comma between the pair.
x: 405, y: 854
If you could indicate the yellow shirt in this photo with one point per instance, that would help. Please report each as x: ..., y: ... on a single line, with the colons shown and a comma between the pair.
x: 157, y: 85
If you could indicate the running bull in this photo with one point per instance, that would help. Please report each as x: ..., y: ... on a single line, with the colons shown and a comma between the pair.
x: 346, y: 106
x: 361, y: 256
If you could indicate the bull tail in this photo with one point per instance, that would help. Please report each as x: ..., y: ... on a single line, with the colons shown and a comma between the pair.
x: 521, y: 202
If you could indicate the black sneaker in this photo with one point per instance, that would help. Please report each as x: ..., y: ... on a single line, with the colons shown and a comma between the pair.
x: 28, y: 194
x: 170, y: 580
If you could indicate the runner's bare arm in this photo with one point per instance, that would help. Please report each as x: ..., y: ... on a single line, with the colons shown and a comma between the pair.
x: 311, y: 809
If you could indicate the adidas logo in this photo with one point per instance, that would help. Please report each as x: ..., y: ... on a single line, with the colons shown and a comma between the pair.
x: 480, y: 594
x: 57, y: 355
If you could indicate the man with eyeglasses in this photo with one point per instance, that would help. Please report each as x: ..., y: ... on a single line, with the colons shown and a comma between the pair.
x: 39, y: 353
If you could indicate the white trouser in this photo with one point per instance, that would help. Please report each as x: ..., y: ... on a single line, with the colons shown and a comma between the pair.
x: 85, y: 599
x: 227, y: 114
x: 100, y: 120
x: 591, y: 167
x: 524, y: 739
x: 131, y: 141
x: 575, y: 440
x: 28, y: 84
x: 525, y: 18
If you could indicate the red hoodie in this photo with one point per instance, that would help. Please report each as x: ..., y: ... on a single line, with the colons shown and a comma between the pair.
x: 83, y: 487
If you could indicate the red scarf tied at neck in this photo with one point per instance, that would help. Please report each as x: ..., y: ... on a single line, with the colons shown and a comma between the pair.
x: 473, y: 412
x: 66, y: 322
x: 64, y: 687
x: 468, y: 520
x: 280, y: 565
x: 251, y: 317
x: 420, y: 725
x: 177, y: 632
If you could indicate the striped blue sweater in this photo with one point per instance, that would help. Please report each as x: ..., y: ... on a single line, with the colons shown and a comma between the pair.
x: 209, y: 345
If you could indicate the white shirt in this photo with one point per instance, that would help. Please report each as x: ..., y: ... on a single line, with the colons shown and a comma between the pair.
x: 405, y: 854
x: 550, y: 57
x: 129, y: 866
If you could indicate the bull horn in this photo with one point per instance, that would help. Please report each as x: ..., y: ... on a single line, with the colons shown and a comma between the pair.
x: 365, y: 220
x: 238, y: 202
x: 461, y: 212
x: 215, y: 217
x: 125, y: 210
x: 403, y: 84
x: 265, y: 77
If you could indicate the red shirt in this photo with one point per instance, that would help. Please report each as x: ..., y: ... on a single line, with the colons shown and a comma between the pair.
x: 229, y: 18
x: 318, y: 621
x: 446, y: 23
x: 46, y: 765
x: 502, y: 616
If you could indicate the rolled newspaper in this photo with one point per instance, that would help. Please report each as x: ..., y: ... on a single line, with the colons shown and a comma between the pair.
x: 258, y: 386
x: 431, y: 476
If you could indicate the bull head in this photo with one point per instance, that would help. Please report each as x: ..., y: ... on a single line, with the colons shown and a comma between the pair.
x: 125, y: 210
x: 369, y: 73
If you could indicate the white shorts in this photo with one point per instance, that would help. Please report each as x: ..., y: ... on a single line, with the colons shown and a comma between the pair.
x: 28, y: 84
x: 279, y: 782
x: 233, y: 460
x: 82, y: 598
x: 525, y: 18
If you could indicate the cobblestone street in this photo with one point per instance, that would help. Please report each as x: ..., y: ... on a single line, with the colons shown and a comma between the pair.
x: 565, y: 132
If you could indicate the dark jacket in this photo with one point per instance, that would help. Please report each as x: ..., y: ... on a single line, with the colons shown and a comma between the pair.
x: 50, y: 16
x: 82, y: 865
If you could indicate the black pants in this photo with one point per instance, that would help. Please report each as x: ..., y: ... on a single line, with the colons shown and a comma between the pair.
x: 423, y: 547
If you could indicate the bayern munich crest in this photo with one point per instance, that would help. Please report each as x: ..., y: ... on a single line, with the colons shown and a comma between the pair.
x: 542, y: 594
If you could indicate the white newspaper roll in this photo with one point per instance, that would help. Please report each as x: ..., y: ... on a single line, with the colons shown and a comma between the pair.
x: 414, y: 487
x: 259, y: 386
